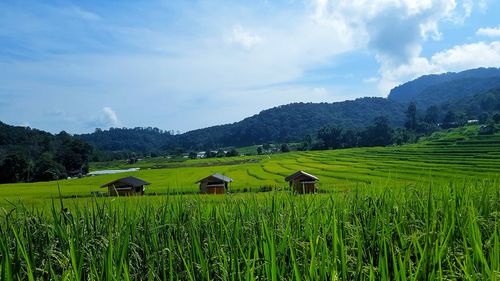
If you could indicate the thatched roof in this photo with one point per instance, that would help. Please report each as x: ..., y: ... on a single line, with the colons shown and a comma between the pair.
x: 216, y: 176
x: 298, y: 174
x: 128, y: 181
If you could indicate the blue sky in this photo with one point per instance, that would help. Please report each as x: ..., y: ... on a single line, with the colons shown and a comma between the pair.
x: 182, y: 65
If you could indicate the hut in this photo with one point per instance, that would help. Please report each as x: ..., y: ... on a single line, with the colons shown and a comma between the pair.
x: 128, y: 186
x: 214, y: 184
x: 302, y: 182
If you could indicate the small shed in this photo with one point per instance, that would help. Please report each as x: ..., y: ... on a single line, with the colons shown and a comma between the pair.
x: 302, y: 182
x: 214, y: 184
x: 128, y: 186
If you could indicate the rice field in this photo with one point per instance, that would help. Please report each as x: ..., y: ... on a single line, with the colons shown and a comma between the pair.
x: 428, y: 211
x: 459, y: 154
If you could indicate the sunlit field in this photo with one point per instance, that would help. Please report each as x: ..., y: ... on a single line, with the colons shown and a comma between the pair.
x: 416, y: 212
x: 460, y: 154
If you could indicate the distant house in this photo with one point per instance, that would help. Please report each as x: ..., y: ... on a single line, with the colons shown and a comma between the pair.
x: 302, y: 182
x: 214, y: 184
x: 128, y: 186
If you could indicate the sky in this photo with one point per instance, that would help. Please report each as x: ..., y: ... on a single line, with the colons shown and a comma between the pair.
x: 183, y: 65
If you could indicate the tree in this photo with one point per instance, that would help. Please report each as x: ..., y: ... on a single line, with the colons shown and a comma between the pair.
x: 307, y: 143
x: 266, y: 146
x: 285, y: 148
x: 47, y: 169
x: 411, y: 117
x: 378, y: 134
x: 331, y: 137
x: 431, y: 115
x: 220, y: 153
x: 350, y: 138
x: 259, y: 150
x: 193, y: 155
x: 449, y: 119
x: 210, y: 154
x: 232, y: 152
x: 496, y: 118
x: 14, y: 168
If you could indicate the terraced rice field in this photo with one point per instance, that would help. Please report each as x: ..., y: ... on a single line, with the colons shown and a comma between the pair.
x: 441, y: 158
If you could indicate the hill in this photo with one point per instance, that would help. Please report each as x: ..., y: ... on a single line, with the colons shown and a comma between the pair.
x: 458, y: 92
x: 290, y: 123
x: 431, y: 90
x: 32, y: 155
x: 282, y: 124
x: 141, y: 140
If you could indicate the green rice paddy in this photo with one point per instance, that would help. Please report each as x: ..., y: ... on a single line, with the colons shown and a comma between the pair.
x: 428, y: 211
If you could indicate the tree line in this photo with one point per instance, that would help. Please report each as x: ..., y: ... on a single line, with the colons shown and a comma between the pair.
x: 28, y: 155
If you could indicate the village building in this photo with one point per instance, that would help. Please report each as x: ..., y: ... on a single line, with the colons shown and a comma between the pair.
x: 214, y: 184
x: 129, y: 186
x: 302, y: 182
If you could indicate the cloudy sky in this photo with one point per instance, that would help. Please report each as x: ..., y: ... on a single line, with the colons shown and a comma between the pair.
x: 181, y: 65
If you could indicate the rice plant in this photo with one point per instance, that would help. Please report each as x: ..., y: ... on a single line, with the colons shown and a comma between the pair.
x: 413, y: 232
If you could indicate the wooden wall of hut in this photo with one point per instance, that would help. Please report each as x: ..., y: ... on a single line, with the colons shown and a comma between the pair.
x: 302, y: 185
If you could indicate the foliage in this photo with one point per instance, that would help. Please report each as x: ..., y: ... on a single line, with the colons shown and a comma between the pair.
x: 290, y: 123
x: 416, y: 232
x: 31, y: 155
x: 437, y: 89
x: 284, y: 148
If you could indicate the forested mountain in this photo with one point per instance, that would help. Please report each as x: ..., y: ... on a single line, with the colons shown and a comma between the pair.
x: 141, y: 140
x: 480, y: 106
x: 290, y: 123
x: 32, y: 155
x: 431, y: 90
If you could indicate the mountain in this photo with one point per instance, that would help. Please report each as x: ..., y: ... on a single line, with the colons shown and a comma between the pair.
x: 437, y: 89
x: 478, y: 106
x: 290, y: 123
x: 282, y: 124
x: 143, y: 140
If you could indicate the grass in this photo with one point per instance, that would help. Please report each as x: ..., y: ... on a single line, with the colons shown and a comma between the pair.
x: 428, y: 211
x: 414, y: 232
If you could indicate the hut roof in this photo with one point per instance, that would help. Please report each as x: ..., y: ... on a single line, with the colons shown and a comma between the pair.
x: 217, y: 176
x: 131, y: 181
x: 298, y: 174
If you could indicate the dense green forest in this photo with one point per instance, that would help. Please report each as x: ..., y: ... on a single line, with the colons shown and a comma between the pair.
x: 32, y: 155
x: 290, y: 123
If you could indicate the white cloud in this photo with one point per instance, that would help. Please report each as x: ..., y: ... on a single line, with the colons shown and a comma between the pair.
x: 110, y: 117
x: 458, y: 58
x: 244, y: 38
x: 371, y: 80
x: 489, y: 31
x: 394, y: 29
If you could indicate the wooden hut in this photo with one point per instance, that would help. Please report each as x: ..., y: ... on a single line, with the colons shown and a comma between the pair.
x: 214, y: 184
x: 302, y: 182
x: 128, y: 186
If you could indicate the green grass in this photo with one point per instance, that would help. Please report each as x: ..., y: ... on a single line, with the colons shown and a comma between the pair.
x: 428, y: 211
x: 415, y: 232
